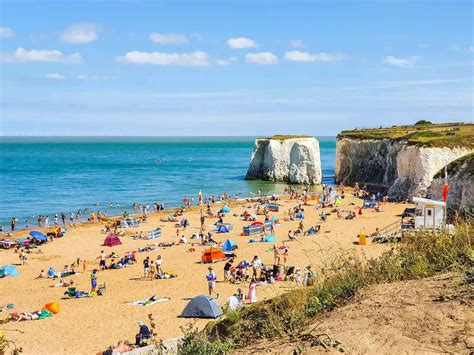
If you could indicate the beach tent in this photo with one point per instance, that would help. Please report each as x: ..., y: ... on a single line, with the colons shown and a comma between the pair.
x: 212, y: 255
x: 229, y: 245
x: 8, y: 270
x: 39, y: 236
x: 112, y: 240
x: 225, y: 209
x: 202, y: 307
x: 229, y: 226
x: 269, y: 238
x: 154, y: 234
x: 299, y: 216
x: 222, y: 229
x: 273, y: 208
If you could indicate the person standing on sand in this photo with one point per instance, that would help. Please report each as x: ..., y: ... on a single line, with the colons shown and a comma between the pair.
x: 252, y: 294
x: 227, y: 267
x: 13, y: 223
x: 94, y: 280
x: 276, y: 255
x: 146, y: 268
x: 102, y: 258
x: 211, y: 281
x: 158, y: 263
x: 63, y: 218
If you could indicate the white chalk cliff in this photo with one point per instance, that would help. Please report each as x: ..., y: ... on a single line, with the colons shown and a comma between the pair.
x: 460, y: 182
x: 292, y: 160
x: 406, y: 170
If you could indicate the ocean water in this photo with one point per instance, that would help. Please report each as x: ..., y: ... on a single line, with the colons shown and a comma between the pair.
x: 51, y: 175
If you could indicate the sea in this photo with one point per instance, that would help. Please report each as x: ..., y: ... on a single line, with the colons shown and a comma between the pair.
x: 48, y: 175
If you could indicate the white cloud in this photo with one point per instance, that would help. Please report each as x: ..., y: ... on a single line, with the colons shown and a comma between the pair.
x: 80, y: 33
x: 90, y: 77
x: 241, y: 42
x: 54, y: 76
x: 408, y: 62
x: 226, y: 61
x: 168, y: 38
x: 22, y: 55
x: 193, y: 59
x: 261, y: 58
x: 6, y: 32
x: 298, y: 56
x: 296, y: 43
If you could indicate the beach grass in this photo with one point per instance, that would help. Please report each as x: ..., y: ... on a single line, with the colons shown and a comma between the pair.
x: 288, y: 316
x: 424, y: 134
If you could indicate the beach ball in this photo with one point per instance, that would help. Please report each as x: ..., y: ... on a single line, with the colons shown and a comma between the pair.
x: 52, y: 307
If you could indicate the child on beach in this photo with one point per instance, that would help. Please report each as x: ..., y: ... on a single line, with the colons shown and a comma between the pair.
x: 94, y: 280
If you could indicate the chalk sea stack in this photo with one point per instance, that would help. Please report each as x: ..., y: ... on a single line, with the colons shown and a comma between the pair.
x: 290, y: 159
x: 404, y: 159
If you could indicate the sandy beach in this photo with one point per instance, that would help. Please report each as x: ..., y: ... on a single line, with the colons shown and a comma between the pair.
x: 90, y: 325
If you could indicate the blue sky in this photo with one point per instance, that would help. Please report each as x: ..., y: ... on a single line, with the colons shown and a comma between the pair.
x: 232, y: 67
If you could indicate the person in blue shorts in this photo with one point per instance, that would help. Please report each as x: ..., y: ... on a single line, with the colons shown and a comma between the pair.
x: 94, y: 280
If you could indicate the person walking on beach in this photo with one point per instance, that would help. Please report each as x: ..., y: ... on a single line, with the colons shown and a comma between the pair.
x: 94, y: 280
x: 55, y: 220
x: 211, y: 278
x: 71, y: 219
x: 63, y: 218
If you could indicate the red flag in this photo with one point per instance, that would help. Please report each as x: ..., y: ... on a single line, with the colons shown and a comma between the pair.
x: 445, y: 187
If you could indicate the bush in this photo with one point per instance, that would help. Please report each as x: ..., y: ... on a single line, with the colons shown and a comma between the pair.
x: 422, y: 122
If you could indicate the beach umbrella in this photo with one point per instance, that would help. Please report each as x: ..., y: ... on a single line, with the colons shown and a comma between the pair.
x: 38, y: 235
x: 52, y: 307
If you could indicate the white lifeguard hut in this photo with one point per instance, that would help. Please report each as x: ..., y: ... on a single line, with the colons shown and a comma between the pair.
x: 429, y: 213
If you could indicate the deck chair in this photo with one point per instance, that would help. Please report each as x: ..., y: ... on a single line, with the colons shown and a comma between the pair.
x: 101, y: 289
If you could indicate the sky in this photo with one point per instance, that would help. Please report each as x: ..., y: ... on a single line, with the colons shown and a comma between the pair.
x: 232, y: 67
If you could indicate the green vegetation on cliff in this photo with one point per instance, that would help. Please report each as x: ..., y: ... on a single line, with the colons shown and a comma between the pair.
x: 423, y: 134
x: 456, y: 164
x: 282, y: 137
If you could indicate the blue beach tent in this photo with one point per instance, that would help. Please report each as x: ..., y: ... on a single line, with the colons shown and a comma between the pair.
x: 269, y: 239
x: 222, y: 229
x: 229, y: 245
x: 8, y: 270
x: 299, y: 216
x: 225, y: 209
x: 38, y: 235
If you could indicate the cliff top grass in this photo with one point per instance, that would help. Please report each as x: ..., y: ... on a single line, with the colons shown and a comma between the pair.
x: 282, y: 137
x: 423, y: 133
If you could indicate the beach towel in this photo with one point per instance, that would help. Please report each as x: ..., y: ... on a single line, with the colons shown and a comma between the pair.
x: 149, y: 302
